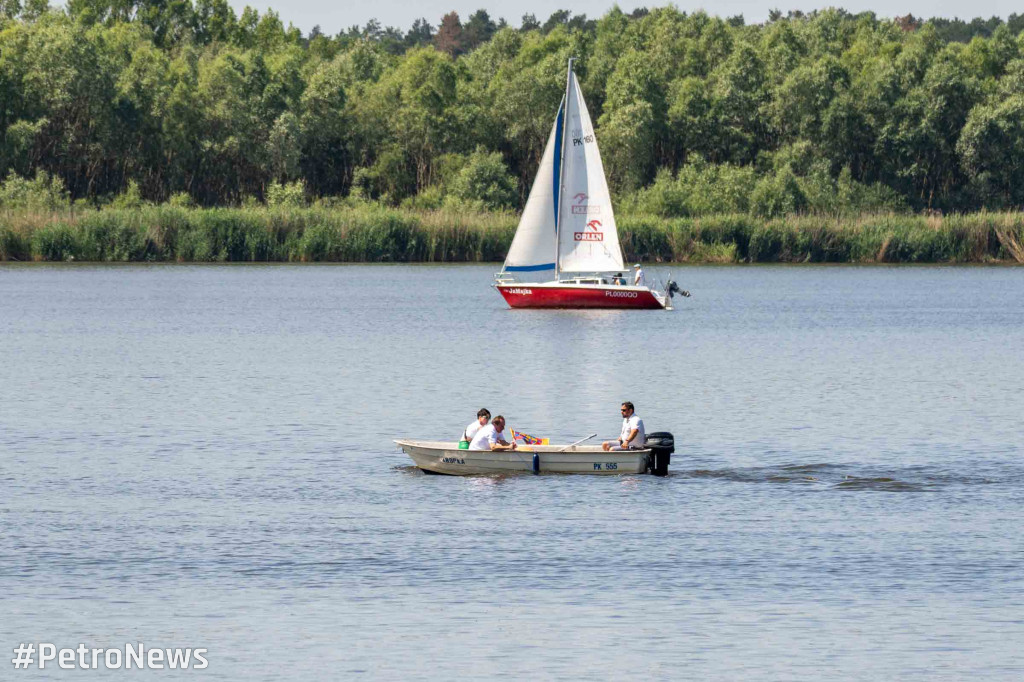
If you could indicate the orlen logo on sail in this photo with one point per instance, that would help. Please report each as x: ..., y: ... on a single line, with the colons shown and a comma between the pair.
x: 580, y: 207
x: 595, y: 235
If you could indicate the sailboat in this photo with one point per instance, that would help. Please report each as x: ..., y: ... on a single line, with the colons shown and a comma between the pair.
x: 566, y: 247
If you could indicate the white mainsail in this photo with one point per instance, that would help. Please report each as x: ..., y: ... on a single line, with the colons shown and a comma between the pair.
x: 533, y: 247
x: 588, y: 240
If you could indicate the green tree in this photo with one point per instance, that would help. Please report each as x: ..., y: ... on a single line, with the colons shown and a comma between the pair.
x: 478, y: 29
x: 485, y: 179
x: 214, y: 21
x: 629, y: 132
x: 45, y: 192
x: 284, y: 147
x: 523, y: 98
x: 778, y: 195
x: 991, y: 147
x: 738, y: 94
x: 326, y: 153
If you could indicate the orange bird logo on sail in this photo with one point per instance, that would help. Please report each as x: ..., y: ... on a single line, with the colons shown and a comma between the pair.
x: 585, y: 236
x: 581, y: 207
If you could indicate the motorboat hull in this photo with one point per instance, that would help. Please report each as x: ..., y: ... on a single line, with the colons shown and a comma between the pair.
x: 572, y: 295
x: 446, y: 458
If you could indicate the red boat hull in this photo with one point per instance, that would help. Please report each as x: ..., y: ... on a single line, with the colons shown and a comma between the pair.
x: 552, y: 295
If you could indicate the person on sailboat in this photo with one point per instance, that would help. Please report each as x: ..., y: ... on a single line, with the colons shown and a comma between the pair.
x: 618, y: 279
x: 639, y: 280
x: 632, y: 436
x: 483, y: 416
x: 492, y: 437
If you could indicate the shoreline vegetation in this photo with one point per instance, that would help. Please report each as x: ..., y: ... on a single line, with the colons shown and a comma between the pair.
x: 191, y: 132
x: 731, y: 135
x: 374, y: 233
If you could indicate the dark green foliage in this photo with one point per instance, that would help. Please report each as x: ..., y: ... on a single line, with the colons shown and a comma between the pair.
x: 14, y: 245
x: 485, y: 180
x: 778, y: 195
x: 825, y: 113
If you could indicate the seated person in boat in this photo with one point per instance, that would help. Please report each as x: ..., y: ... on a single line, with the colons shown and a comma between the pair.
x: 617, y: 279
x: 483, y: 416
x: 492, y: 437
x: 633, y: 435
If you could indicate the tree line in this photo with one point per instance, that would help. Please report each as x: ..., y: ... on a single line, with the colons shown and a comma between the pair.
x: 829, y: 111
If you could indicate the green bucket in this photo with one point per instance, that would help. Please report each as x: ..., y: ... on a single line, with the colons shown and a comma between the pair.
x: 463, y: 445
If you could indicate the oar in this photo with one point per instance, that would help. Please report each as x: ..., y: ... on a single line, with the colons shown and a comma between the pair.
x: 572, y: 445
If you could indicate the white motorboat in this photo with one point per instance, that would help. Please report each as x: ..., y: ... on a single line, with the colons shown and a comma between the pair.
x: 440, y: 457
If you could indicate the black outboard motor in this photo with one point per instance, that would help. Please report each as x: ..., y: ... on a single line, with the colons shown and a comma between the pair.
x: 674, y: 289
x: 662, y: 445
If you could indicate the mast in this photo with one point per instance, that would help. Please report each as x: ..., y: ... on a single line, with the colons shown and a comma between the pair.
x: 561, y: 169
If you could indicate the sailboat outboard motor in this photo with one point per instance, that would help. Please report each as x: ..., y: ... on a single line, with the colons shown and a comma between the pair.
x: 674, y: 289
x: 662, y: 445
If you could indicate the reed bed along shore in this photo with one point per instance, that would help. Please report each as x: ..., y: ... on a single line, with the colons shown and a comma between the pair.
x: 377, y: 234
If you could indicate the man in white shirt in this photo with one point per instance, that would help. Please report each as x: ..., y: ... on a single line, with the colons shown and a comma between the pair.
x: 492, y: 437
x: 483, y: 416
x: 639, y: 279
x: 632, y: 436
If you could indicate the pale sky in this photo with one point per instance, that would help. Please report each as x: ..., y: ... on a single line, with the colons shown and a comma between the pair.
x: 334, y: 17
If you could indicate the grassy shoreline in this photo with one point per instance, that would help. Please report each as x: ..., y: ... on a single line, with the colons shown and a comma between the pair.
x: 377, y: 234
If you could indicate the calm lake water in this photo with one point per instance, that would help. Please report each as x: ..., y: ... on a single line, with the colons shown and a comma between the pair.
x: 202, y: 456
